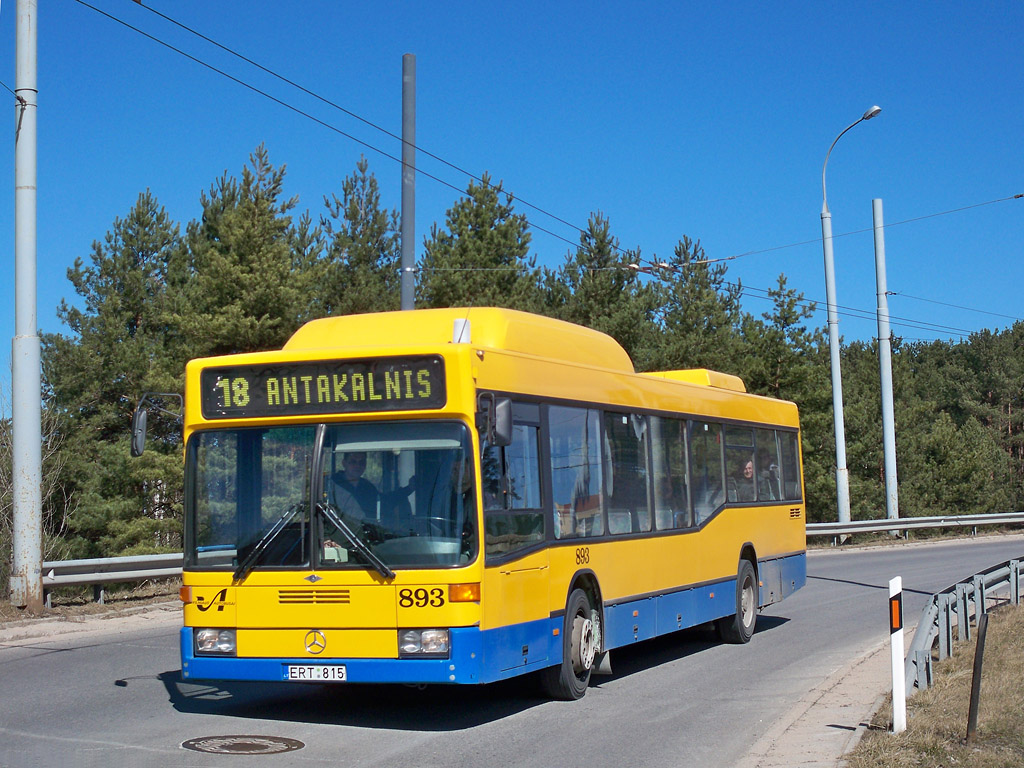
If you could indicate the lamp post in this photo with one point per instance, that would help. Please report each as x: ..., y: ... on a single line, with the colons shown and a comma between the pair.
x: 842, y: 474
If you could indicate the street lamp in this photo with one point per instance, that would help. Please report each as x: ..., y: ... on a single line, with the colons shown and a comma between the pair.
x: 842, y: 474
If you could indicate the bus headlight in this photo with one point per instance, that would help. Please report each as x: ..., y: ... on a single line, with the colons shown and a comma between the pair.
x: 215, y: 641
x: 423, y: 642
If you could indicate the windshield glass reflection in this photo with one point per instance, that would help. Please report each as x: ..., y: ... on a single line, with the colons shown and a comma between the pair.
x: 405, y: 491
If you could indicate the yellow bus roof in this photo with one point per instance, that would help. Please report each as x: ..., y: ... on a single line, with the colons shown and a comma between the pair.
x: 561, y: 354
x: 703, y: 376
x: 489, y: 328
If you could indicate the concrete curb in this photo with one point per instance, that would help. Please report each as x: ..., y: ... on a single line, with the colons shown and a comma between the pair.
x: 829, y: 720
x: 157, y: 614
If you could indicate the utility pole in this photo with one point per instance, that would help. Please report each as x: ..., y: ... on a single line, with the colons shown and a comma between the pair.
x: 842, y: 474
x: 408, y: 225
x: 27, y: 555
x: 892, y: 504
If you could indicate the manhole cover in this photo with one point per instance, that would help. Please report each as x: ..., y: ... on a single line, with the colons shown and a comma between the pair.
x: 243, y: 745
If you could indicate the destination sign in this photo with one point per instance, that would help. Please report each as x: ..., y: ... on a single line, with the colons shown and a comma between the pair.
x: 323, y: 387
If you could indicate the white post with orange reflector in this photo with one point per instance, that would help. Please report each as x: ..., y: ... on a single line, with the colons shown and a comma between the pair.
x: 899, y: 688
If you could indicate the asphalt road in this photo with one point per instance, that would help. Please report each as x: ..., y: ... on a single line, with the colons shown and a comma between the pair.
x: 114, y: 697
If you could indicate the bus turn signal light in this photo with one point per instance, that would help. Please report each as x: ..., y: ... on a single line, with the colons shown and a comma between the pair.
x: 185, y: 593
x: 464, y: 593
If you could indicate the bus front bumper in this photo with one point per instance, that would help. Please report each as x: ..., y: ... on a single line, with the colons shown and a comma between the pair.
x: 466, y: 664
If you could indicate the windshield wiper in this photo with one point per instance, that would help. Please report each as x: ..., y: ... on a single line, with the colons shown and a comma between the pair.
x: 358, y: 544
x: 254, y: 554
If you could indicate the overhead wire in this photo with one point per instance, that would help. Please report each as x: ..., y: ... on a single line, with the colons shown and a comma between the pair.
x: 455, y: 166
x: 864, y: 314
x: 298, y: 111
x: 638, y: 266
x: 346, y: 111
x: 955, y: 306
x: 21, y: 99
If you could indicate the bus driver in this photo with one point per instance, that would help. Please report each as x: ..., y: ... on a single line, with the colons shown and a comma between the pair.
x: 354, y: 495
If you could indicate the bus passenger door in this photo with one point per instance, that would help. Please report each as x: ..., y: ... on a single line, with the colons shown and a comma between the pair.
x: 516, y: 609
x: 515, y: 594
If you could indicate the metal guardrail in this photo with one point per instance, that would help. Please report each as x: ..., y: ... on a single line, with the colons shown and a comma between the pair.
x: 910, y: 523
x: 956, y: 601
x: 113, y: 570
x: 108, y: 570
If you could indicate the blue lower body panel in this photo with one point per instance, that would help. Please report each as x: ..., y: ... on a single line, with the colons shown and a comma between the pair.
x: 476, y: 657
x: 637, y: 620
x: 486, y: 656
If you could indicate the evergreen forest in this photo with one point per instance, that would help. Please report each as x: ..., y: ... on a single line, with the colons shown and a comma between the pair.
x: 252, y: 267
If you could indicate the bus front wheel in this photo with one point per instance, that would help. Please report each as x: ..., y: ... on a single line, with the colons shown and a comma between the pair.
x: 739, y: 627
x: 569, y: 680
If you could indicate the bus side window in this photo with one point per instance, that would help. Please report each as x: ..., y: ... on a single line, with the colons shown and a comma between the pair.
x: 739, y: 464
x: 706, y: 470
x: 513, y: 518
x: 769, y: 475
x: 791, y: 490
x: 576, y: 472
x: 626, y: 473
x: 671, y: 489
x: 511, y: 475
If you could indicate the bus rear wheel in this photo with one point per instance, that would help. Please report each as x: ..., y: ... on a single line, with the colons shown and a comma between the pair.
x: 739, y: 627
x: 569, y: 680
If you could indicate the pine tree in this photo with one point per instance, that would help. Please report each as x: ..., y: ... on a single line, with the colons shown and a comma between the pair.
x: 240, y: 287
x: 781, y: 348
x: 700, y: 313
x: 95, y: 376
x: 599, y: 287
x: 481, y: 256
x: 786, y: 359
x: 951, y: 470
x: 359, y: 271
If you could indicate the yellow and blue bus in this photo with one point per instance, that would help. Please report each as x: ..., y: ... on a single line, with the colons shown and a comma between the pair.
x: 465, y: 495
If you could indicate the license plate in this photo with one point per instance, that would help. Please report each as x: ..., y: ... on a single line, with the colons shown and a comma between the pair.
x: 322, y: 673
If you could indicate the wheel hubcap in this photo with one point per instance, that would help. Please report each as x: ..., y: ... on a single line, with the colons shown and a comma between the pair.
x: 584, y: 644
x: 747, y: 603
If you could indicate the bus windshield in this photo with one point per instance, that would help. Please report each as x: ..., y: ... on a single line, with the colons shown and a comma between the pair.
x: 404, y: 493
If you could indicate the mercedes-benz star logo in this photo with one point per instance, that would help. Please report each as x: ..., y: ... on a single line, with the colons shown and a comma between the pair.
x: 316, y: 642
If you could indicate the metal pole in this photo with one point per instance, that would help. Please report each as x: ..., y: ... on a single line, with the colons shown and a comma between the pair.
x: 27, y: 555
x: 408, y: 181
x: 979, y: 661
x: 842, y: 474
x: 892, y: 505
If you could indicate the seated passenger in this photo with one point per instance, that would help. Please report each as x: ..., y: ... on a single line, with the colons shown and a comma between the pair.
x: 745, y: 490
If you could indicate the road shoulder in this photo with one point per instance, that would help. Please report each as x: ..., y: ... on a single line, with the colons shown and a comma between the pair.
x: 829, y: 720
x: 158, y: 614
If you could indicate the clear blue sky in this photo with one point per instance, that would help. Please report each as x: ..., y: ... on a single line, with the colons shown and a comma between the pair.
x: 672, y: 119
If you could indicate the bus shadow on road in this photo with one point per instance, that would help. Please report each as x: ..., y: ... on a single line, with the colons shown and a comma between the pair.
x: 665, y: 649
x: 385, y: 707
x: 389, y: 707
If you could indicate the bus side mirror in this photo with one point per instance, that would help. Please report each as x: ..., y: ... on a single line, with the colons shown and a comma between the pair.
x: 494, y: 419
x: 138, y: 431
x: 141, y: 413
x: 501, y: 423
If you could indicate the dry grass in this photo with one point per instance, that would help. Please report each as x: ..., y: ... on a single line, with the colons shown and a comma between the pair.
x: 937, y: 718
x: 71, y: 603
